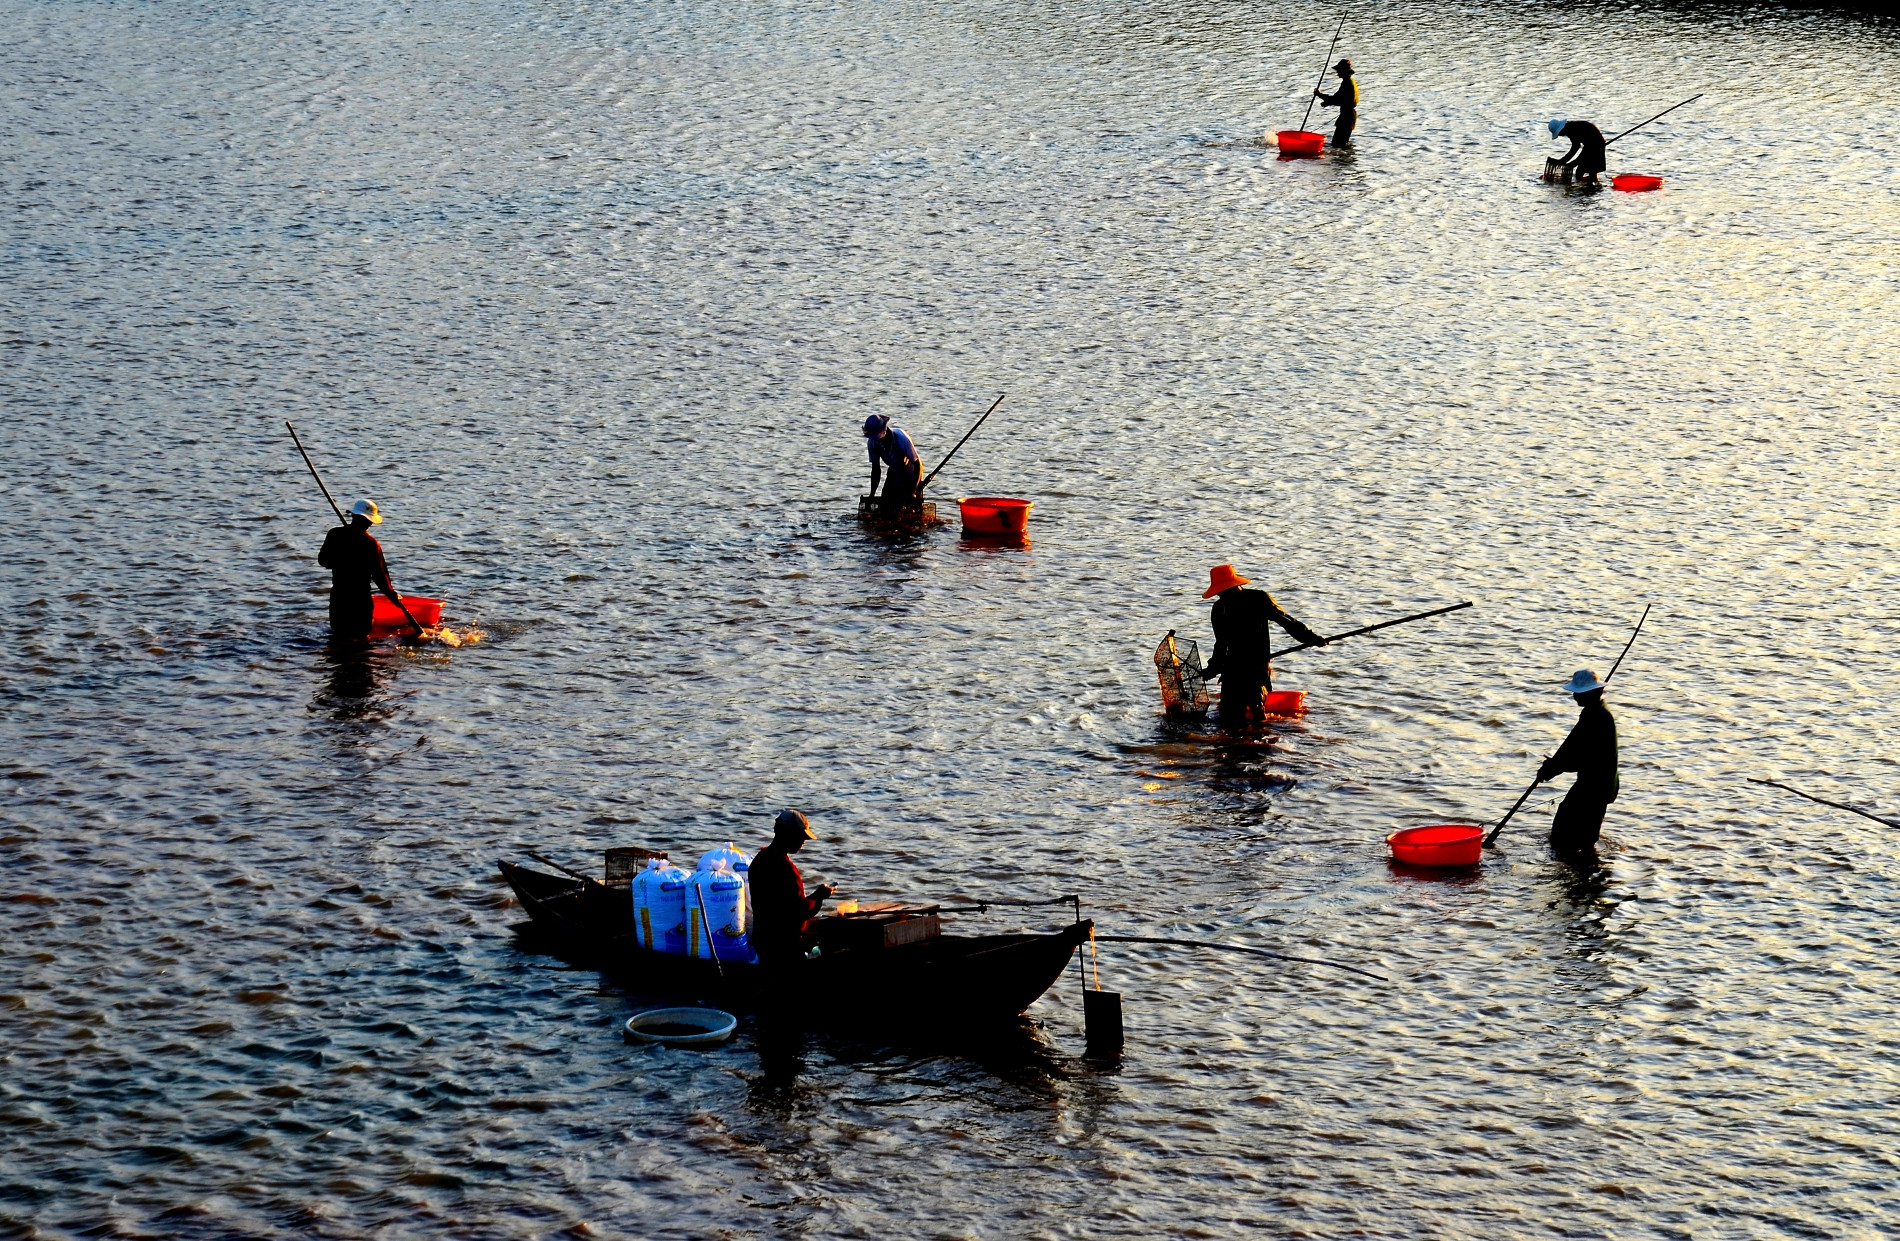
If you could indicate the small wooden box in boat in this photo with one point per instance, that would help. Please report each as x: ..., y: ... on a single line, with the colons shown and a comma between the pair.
x: 878, y: 925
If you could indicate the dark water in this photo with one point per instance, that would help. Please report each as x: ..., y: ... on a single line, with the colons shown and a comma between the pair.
x: 591, y: 297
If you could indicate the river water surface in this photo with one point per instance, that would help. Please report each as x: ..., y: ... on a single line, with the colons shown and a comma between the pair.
x: 591, y: 297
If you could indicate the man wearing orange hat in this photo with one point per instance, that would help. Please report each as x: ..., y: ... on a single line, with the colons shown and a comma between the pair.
x: 1243, y: 639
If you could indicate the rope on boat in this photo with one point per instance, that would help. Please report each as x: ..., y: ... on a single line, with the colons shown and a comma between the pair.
x: 1256, y: 952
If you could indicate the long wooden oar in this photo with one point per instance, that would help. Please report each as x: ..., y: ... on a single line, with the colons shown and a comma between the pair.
x: 960, y: 443
x: 1353, y: 633
x: 1838, y: 805
x: 1665, y: 112
x: 1606, y: 680
x: 1257, y: 952
x: 1324, y: 65
x: 340, y: 518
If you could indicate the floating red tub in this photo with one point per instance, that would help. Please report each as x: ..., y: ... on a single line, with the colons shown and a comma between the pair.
x: 1284, y: 702
x: 387, y: 617
x: 994, y: 515
x: 1441, y: 844
x: 1630, y: 181
x: 1300, y: 142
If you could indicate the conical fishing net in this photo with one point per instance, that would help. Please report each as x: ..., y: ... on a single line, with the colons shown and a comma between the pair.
x: 1183, y: 685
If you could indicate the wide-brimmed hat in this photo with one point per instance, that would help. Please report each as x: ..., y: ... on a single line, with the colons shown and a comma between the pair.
x: 1557, y: 127
x: 791, y: 822
x: 1222, y: 577
x: 876, y: 425
x: 367, y: 508
x: 1583, y: 681
x: 1343, y: 65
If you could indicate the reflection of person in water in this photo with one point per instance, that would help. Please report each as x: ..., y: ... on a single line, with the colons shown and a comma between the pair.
x: 356, y: 672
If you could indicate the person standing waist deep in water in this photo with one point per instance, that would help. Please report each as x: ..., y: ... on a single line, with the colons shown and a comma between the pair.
x: 355, y: 561
x: 1590, y: 751
x: 1242, y: 639
x: 1588, y: 153
x: 1346, y: 99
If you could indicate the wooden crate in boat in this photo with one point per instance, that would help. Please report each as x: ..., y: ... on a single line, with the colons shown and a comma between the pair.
x: 876, y: 926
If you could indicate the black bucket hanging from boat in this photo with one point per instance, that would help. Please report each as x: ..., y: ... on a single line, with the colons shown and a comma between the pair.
x: 1102, y: 1020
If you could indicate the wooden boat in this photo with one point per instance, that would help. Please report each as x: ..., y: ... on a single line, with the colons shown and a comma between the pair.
x: 937, y: 982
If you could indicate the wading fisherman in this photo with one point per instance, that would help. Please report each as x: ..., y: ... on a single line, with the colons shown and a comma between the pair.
x: 780, y: 908
x: 1588, y: 153
x: 355, y: 561
x: 888, y: 445
x: 1242, y: 638
x: 1590, y: 751
x: 1346, y: 99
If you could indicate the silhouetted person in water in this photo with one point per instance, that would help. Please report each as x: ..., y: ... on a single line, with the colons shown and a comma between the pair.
x: 781, y: 911
x: 1346, y: 99
x: 1242, y: 639
x: 1588, y: 153
x: 355, y: 561
x: 1590, y: 751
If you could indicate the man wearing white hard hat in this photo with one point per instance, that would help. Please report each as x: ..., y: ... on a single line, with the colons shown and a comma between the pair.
x: 1590, y: 751
x: 355, y: 561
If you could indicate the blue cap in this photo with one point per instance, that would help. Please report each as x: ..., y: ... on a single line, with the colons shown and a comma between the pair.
x: 876, y: 425
x: 1557, y: 127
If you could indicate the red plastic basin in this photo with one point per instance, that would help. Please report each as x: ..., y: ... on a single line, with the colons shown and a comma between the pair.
x: 1630, y: 181
x: 994, y: 514
x: 1300, y: 142
x: 1284, y: 702
x: 387, y: 616
x: 1441, y: 844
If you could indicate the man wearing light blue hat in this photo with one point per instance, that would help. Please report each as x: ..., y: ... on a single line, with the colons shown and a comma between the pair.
x: 1588, y: 153
x: 1590, y: 751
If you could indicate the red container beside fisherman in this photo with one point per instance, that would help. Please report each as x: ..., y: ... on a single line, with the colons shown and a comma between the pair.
x: 1441, y: 844
x: 386, y: 617
x: 1631, y: 181
x: 1284, y: 702
x: 1300, y: 142
x: 994, y: 515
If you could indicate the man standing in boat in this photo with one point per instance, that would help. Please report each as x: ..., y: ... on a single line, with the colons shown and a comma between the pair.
x: 1242, y: 639
x: 1590, y: 751
x: 1588, y: 153
x: 888, y: 445
x: 355, y: 561
x: 780, y: 908
x: 1346, y: 99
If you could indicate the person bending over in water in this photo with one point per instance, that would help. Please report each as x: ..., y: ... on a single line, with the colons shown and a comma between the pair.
x: 1242, y: 638
x: 1588, y: 153
x: 888, y: 445
x: 355, y: 561
x: 1590, y: 751
x: 1346, y: 99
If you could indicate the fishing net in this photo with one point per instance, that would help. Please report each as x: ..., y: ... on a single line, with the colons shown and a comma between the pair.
x: 1183, y: 684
